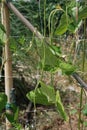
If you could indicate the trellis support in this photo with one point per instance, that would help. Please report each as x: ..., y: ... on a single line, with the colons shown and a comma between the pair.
x: 7, y: 58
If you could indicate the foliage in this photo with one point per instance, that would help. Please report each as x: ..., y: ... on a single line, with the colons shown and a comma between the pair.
x: 84, y: 111
x: 13, y: 117
x: 68, y: 20
x: 67, y: 68
x: 34, y: 12
x: 46, y: 95
x: 2, y: 34
x: 60, y: 107
x: 53, y: 59
x: 3, y: 100
x: 65, y: 21
x: 2, y: 28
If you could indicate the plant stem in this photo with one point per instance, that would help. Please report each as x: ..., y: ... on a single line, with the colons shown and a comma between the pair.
x: 52, y: 79
x: 79, y: 120
x: 83, y: 66
x: 44, y: 18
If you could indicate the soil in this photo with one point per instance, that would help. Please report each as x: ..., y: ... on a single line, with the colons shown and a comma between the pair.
x: 47, y: 118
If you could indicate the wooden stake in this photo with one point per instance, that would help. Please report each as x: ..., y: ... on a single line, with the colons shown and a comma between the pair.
x: 7, y: 54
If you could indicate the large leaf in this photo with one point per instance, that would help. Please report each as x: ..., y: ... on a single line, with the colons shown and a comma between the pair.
x: 48, y: 91
x: 3, y: 100
x: 83, y: 13
x: 50, y: 60
x: 62, y: 28
x: 60, y: 107
x: 44, y: 95
x: 66, y: 67
x: 53, y: 61
x: 37, y: 97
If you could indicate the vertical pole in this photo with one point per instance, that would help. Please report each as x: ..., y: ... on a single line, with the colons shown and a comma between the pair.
x: 8, y: 62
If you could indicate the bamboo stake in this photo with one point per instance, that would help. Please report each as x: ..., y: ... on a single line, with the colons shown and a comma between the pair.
x: 7, y: 54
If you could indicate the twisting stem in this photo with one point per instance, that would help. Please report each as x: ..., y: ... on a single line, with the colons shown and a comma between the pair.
x: 44, y: 18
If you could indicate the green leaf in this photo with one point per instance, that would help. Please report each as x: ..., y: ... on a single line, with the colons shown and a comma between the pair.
x: 56, y: 50
x: 71, y: 27
x: 51, y: 69
x: 52, y: 63
x: 50, y: 60
x: 13, y: 44
x: 2, y: 36
x: 10, y: 117
x: 16, y: 114
x: 22, y: 40
x: 66, y: 67
x: 44, y: 95
x: 35, y: 16
x: 2, y: 33
x: 84, y: 111
x: 48, y: 68
x: 13, y: 117
x: 37, y: 97
x: 63, y: 26
x: 48, y: 91
x: 60, y: 107
x: 83, y: 13
x: 77, y: 26
x: 3, y: 100
x: 85, y: 123
x: 2, y: 28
